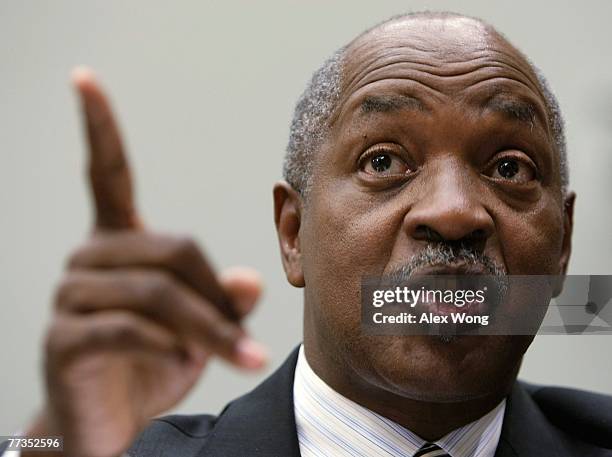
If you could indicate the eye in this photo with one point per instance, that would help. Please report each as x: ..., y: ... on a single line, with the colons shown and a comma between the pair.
x: 513, y: 169
x: 384, y: 163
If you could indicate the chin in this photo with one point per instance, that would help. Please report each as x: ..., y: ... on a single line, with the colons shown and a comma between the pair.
x: 443, y: 368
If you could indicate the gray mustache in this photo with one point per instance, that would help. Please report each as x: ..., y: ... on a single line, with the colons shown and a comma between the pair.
x: 443, y: 254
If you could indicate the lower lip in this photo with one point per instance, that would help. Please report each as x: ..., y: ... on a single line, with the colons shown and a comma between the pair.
x: 445, y: 309
x: 448, y: 326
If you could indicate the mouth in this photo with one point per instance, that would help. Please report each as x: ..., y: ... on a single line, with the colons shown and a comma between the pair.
x: 459, y: 288
x: 437, y: 308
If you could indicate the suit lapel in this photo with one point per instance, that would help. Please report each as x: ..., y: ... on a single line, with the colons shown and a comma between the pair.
x: 525, y: 431
x: 260, y: 423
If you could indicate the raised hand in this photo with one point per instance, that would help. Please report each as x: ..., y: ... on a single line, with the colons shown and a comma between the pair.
x: 137, y: 315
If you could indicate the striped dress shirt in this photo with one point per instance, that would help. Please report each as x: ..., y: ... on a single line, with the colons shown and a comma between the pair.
x: 331, y: 425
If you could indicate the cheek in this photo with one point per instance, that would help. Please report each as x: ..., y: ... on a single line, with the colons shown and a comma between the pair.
x: 532, y: 241
x: 345, y: 238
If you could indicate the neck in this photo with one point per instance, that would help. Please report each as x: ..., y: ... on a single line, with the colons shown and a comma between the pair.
x: 430, y: 420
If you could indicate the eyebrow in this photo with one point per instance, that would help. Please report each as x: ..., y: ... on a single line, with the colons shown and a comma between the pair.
x: 514, y: 108
x: 506, y: 104
x: 390, y: 103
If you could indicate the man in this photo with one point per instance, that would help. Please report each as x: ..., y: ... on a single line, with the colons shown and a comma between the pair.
x: 427, y: 145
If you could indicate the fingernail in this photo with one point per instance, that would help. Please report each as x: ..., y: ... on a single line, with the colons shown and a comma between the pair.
x: 81, y: 73
x: 250, y: 354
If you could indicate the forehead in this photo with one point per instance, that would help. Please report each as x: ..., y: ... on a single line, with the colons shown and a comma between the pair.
x: 438, y: 60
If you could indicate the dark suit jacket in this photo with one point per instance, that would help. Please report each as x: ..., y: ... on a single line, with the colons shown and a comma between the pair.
x: 539, y: 421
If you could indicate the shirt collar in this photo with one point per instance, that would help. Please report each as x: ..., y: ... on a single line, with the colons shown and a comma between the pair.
x: 330, y: 424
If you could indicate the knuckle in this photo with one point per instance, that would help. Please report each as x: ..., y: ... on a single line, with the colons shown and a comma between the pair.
x: 159, y: 284
x: 113, y: 330
x: 86, y: 254
x: 94, y: 252
x: 180, y: 249
x: 69, y: 291
x: 78, y: 257
x: 121, y: 329
x: 55, y: 342
x: 223, y: 337
x: 157, y: 289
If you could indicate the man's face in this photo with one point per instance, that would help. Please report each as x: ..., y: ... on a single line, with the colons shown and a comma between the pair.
x: 441, y: 132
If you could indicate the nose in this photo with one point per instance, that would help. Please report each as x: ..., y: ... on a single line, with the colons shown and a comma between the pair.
x: 450, y: 210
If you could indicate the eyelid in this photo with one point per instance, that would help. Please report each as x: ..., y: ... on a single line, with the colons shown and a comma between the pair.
x: 514, y: 154
x: 385, y: 148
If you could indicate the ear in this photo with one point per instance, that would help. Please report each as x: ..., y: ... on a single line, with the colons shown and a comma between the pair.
x: 566, y: 247
x: 288, y: 217
x: 568, y: 227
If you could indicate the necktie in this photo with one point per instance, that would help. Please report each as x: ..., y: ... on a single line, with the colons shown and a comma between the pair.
x: 431, y: 450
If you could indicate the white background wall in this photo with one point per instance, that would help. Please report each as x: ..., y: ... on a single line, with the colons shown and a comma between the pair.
x: 205, y: 93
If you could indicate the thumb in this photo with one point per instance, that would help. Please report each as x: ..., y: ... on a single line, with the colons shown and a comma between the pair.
x: 244, y: 286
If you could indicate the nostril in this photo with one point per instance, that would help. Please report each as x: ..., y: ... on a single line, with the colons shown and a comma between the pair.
x: 423, y: 232
x: 420, y: 231
x: 477, y: 235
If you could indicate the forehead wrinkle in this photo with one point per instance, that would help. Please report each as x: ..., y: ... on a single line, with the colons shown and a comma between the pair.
x: 425, y: 68
x: 437, y: 89
x: 400, y: 42
x: 518, y: 64
x: 379, y: 59
x: 408, y: 63
x: 439, y: 82
x: 418, y: 46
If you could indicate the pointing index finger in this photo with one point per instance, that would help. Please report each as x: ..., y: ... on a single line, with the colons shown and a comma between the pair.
x: 109, y: 171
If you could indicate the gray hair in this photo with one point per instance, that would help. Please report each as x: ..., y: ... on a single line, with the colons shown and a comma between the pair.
x: 310, y: 126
